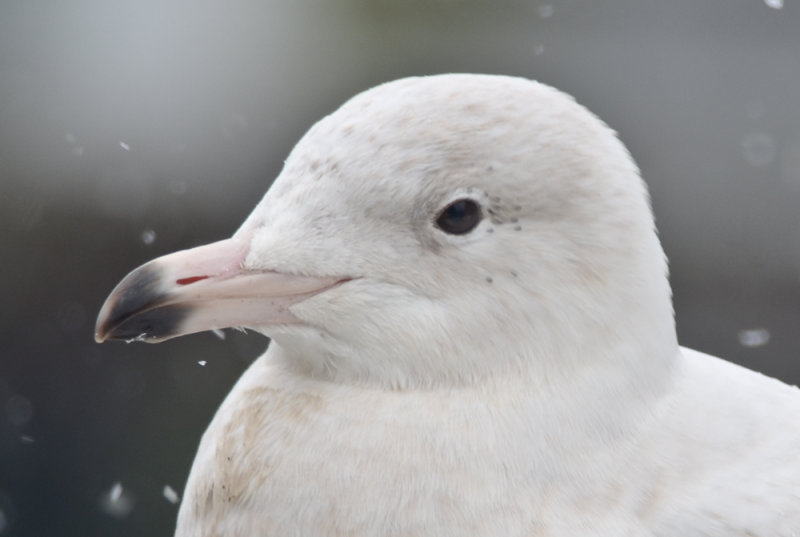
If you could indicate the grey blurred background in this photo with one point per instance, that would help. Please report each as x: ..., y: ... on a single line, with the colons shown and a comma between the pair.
x: 132, y: 129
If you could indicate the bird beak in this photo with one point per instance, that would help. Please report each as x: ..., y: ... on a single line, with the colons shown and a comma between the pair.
x: 204, y: 288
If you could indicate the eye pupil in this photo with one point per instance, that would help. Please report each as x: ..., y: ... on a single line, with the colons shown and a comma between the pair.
x: 460, y: 217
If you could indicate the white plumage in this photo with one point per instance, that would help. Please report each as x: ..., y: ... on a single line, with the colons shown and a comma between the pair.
x: 519, y: 379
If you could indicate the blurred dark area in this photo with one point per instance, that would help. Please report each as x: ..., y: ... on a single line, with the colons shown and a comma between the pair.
x: 133, y: 129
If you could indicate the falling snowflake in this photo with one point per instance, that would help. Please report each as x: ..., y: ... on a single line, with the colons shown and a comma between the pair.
x: 755, y: 337
x: 545, y: 11
x: 170, y: 494
x: 758, y: 148
x: 148, y: 236
x: 115, y: 493
x: 117, y: 502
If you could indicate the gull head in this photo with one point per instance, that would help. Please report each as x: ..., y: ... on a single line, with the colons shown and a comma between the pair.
x: 432, y: 230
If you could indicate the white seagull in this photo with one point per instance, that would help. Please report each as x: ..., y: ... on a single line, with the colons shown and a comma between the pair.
x: 472, y: 335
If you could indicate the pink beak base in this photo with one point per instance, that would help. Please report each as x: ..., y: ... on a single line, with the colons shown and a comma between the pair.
x: 203, y: 288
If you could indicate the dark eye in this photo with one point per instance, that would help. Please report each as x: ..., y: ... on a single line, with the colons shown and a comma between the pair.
x: 460, y: 217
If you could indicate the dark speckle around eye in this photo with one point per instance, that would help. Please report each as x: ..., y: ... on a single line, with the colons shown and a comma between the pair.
x: 489, y: 279
x: 517, y: 228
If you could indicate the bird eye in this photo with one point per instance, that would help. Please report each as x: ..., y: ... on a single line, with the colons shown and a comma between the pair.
x: 460, y: 217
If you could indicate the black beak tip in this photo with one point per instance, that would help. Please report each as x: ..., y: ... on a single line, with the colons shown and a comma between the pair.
x: 151, y: 326
x: 138, y: 310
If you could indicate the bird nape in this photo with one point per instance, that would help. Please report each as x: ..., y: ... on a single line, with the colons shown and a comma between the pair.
x: 472, y: 334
